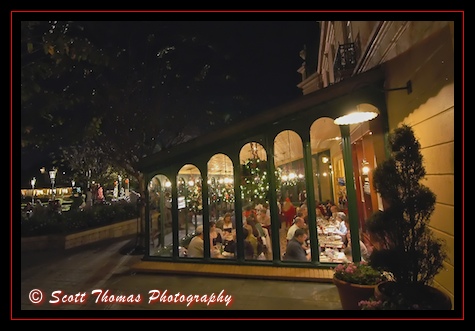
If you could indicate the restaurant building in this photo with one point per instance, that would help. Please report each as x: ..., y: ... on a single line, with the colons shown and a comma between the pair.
x: 305, y: 151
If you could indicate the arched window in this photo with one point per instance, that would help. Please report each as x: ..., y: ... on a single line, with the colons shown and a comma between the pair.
x: 160, y: 216
x: 221, y: 198
x: 291, y: 186
x: 190, y: 205
x: 255, y: 202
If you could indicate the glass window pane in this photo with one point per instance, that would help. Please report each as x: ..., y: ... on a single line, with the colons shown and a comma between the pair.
x: 160, y: 216
x: 221, y: 205
x: 255, y: 202
x: 329, y: 183
x: 290, y: 168
x: 190, y: 215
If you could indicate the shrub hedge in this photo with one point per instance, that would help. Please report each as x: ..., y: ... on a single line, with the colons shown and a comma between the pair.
x: 44, y: 221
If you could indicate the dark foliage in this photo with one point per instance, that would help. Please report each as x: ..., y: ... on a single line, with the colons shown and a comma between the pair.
x: 45, y: 221
x: 406, y: 246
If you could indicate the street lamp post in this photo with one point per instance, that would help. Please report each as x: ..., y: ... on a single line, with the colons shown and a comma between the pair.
x: 88, y: 176
x: 119, y: 177
x: 52, y: 177
x: 127, y: 188
x: 33, y: 182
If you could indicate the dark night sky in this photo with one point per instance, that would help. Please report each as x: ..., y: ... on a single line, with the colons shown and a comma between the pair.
x: 264, y: 54
x: 267, y: 53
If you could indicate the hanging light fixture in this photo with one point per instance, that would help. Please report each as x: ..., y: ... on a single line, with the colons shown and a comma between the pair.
x: 224, y: 179
x: 292, y: 174
x: 289, y: 177
x: 254, y: 151
x: 359, y: 115
x: 191, y: 182
x: 227, y: 180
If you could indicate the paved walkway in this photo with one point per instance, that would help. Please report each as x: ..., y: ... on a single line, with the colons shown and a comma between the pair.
x: 100, y: 278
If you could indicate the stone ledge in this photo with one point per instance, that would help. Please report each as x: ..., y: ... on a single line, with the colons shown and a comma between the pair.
x: 116, y: 230
x: 319, y: 275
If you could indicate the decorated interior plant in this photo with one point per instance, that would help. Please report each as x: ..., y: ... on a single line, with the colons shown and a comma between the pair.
x: 404, y: 244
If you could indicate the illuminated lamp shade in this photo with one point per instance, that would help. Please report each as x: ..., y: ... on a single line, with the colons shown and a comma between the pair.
x: 359, y: 115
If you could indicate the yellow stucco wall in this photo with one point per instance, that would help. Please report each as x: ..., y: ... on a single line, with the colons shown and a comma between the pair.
x: 431, y: 111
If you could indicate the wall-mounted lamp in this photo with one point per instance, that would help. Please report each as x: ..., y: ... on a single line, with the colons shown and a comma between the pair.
x: 325, y: 159
x: 408, y: 88
x: 363, y: 114
x: 359, y: 115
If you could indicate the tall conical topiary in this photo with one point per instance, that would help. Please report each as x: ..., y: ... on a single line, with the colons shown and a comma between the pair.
x: 404, y: 243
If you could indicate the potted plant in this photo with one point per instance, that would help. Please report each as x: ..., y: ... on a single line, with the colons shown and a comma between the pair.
x: 404, y: 245
x: 356, y: 281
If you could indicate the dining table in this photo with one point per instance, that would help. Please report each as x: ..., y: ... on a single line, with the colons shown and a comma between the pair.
x: 331, y: 244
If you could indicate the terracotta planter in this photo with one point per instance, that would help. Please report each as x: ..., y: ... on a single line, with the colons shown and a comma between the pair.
x: 352, y: 294
x: 415, y: 296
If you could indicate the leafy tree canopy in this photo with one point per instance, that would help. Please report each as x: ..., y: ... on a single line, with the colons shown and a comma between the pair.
x: 128, y: 92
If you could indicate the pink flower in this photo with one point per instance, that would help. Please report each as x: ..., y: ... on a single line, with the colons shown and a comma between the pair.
x: 358, y: 273
x: 350, y: 269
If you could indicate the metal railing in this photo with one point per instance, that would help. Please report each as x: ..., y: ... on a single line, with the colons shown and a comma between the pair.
x: 346, y: 60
